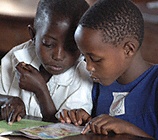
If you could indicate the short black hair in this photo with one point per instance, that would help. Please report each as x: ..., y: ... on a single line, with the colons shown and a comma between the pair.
x: 117, y: 19
x: 73, y: 9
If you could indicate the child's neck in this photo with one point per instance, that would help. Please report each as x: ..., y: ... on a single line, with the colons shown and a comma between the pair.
x: 45, y: 74
x: 137, y: 67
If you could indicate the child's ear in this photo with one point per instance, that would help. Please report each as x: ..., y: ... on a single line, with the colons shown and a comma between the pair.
x: 130, y: 48
x: 31, y: 32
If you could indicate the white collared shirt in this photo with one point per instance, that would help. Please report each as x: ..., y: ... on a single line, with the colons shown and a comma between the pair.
x: 69, y: 90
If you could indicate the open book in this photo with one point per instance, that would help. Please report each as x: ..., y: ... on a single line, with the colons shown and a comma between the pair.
x: 39, y: 129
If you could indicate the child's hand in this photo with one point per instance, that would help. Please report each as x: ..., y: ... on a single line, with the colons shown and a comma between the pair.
x: 13, y: 110
x: 76, y: 116
x: 30, y: 78
x: 104, y: 124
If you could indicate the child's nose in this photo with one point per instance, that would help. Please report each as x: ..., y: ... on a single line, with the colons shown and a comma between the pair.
x: 59, y: 54
x: 89, y: 66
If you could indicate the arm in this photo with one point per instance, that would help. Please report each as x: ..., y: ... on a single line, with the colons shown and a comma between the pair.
x: 12, y: 108
x: 103, y: 124
x: 32, y: 80
x: 47, y: 106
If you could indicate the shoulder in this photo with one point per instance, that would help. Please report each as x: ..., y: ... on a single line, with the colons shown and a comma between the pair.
x: 154, y: 73
x: 22, y: 46
x: 27, y: 44
x: 156, y: 67
x: 23, y: 52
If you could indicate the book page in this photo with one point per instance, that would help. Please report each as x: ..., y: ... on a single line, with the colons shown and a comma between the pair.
x: 6, y: 129
x: 52, y: 131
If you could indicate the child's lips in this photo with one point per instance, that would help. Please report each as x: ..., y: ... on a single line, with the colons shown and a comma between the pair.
x: 95, y: 79
x: 55, y: 68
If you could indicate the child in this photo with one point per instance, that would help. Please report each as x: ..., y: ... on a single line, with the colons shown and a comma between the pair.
x: 49, y: 69
x: 125, y: 92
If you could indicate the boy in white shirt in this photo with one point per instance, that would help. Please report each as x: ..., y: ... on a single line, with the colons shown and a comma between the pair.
x: 47, y: 73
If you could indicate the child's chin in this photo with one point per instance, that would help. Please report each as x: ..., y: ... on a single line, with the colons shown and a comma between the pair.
x: 106, y: 83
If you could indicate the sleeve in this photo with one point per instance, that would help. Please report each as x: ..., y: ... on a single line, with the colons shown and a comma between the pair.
x: 81, y: 89
x: 6, y: 73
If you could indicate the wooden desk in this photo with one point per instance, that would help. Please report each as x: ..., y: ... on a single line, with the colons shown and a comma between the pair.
x: 89, y: 136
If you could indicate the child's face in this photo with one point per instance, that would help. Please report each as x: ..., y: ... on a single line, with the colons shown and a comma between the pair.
x: 105, y: 62
x: 52, y: 41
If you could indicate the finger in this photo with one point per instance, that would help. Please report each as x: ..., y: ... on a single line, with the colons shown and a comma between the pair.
x: 8, y: 110
x: 10, y: 122
x: 79, y: 116
x: 99, y: 123
x: 60, y: 117
x: 21, y: 115
x: 13, y: 116
x: 29, y: 67
x: 86, y: 128
x: 95, y: 124
x: 20, y: 68
x: 104, y: 130
x: 66, y: 116
x: 72, y: 115
x: 85, y: 117
x: 18, y: 118
x: 23, y: 67
x: 92, y: 126
x: 97, y: 128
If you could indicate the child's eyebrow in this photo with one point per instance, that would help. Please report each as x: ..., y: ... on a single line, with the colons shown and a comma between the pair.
x: 92, y: 54
x: 49, y: 36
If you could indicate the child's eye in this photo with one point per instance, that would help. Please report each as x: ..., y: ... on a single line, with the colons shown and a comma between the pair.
x: 47, y: 42
x: 95, y: 59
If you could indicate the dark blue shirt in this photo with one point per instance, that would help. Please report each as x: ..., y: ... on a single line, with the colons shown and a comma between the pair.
x: 138, y: 106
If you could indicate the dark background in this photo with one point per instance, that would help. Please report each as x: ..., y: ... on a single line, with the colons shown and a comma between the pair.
x: 13, y: 29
